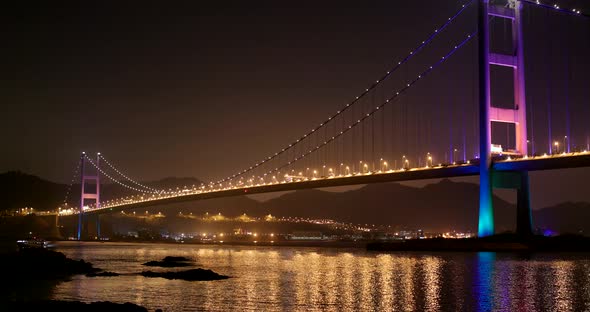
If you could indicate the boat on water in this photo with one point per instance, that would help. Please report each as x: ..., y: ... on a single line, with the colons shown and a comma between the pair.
x: 33, y: 243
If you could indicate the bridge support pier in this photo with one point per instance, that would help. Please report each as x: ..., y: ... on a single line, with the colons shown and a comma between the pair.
x: 98, y: 226
x: 89, y: 227
x: 80, y: 224
x: 486, y: 208
x: 488, y: 113
x: 524, y: 218
x: 84, y: 195
x: 518, y: 180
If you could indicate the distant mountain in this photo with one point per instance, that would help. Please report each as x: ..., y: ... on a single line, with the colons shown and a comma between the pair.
x: 442, y: 206
x: 564, y: 218
x: 20, y: 190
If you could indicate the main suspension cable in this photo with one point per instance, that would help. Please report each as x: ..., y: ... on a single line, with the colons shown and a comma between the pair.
x: 363, y: 94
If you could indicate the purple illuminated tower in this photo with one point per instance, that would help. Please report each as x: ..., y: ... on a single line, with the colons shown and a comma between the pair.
x: 95, y: 197
x: 515, y: 115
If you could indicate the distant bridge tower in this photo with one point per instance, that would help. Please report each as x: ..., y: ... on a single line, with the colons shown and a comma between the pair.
x: 94, y: 197
x: 515, y: 115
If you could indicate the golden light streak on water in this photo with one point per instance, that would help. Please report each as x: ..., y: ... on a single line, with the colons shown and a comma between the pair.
x: 348, y: 279
x: 563, y: 282
x: 385, y: 263
x: 406, y: 283
x: 431, y: 283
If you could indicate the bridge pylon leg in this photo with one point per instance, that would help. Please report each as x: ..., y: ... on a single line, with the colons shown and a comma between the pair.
x: 98, y: 226
x: 524, y: 219
x: 488, y: 113
x: 519, y: 181
x: 95, y: 197
x: 80, y: 225
x: 486, y: 208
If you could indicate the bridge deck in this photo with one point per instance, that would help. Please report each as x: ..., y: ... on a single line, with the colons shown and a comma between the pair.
x: 522, y: 164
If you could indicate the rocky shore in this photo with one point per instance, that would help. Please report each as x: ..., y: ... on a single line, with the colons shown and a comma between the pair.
x: 42, y: 264
x: 30, y: 274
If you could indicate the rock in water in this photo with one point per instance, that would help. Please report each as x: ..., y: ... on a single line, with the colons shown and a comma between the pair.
x: 105, y: 273
x: 176, y: 259
x: 170, y: 262
x: 188, y: 275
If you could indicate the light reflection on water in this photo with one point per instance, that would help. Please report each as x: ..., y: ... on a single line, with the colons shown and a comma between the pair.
x: 431, y: 283
x: 314, y: 279
x: 484, y: 285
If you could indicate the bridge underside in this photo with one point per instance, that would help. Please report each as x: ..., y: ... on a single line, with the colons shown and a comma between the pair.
x: 519, y: 165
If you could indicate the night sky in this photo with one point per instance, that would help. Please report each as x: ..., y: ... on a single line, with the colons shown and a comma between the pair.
x: 205, y: 89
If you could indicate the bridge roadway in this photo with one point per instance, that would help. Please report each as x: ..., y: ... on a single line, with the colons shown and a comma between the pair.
x: 561, y: 161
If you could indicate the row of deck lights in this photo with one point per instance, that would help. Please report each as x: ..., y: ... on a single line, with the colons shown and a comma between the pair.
x: 310, y: 175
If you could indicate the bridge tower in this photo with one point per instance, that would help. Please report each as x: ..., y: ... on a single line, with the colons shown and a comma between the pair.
x: 514, y: 115
x: 93, y: 197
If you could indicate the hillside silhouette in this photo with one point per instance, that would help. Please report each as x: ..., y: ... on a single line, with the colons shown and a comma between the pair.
x: 439, y: 206
x: 19, y: 190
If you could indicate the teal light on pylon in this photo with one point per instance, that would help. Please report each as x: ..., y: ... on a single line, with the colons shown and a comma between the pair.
x: 486, y: 220
x: 486, y: 208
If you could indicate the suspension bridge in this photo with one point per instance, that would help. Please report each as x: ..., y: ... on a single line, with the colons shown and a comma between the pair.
x: 386, y: 134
